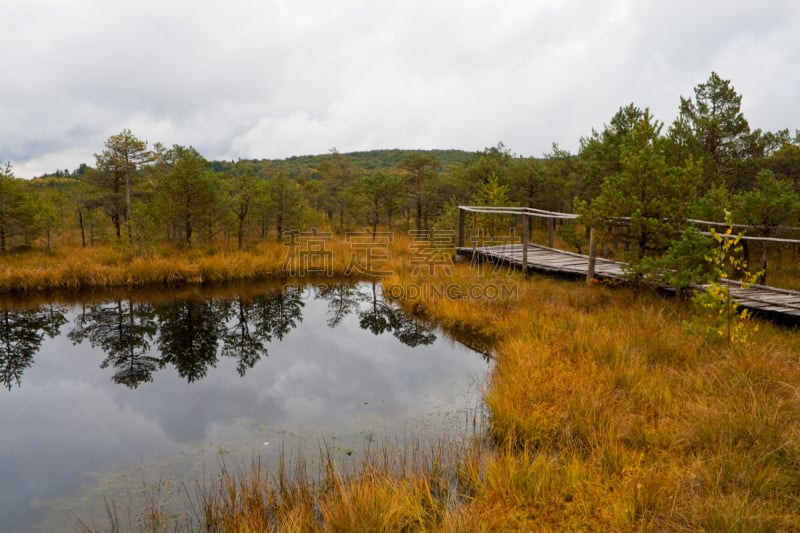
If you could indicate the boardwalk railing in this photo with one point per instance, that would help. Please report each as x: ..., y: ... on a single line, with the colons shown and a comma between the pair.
x: 523, y: 212
x: 552, y: 216
x: 760, y: 298
x: 528, y: 256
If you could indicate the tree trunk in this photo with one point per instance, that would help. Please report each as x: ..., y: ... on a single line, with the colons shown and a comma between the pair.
x: 128, y: 205
x: 188, y: 229
x: 115, y: 220
x: 83, y: 230
x: 592, y: 255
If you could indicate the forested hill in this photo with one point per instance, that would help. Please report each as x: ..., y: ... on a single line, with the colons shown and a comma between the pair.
x: 306, y: 165
x: 368, y: 161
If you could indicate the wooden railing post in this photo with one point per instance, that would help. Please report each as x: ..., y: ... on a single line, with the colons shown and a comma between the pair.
x: 551, y: 232
x: 525, y: 244
x: 461, y: 216
x: 592, y: 256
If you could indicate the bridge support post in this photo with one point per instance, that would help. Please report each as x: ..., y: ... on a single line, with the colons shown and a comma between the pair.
x: 592, y: 256
x: 551, y: 232
x: 524, y: 244
x: 461, y: 217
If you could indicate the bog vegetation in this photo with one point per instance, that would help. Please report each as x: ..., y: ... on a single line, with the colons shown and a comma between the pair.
x: 607, y: 409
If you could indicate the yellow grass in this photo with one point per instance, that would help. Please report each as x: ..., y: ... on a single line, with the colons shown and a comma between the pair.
x: 73, y: 269
x: 608, y: 415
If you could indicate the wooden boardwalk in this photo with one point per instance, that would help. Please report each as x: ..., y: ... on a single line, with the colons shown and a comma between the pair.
x: 547, y: 260
x: 767, y: 300
x: 772, y: 301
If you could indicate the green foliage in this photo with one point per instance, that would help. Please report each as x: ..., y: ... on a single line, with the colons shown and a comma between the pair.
x: 644, y: 205
x: 118, y: 167
x: 285, y: 204
x: 187, y: 194
x: 420, y: 173
x: 240, y: 199
x: 686, y: 263
x: 713, y: 205
x: 338, y: 176
x: 381, y: 193
x: 529, y: 183
x: 721, y: 316
x: 600, y: 154
x: 492, y: 193
x: 571, y: 235
x: 448, y: 218
x: 785, y: 162
x: 495, y: 160
x: 19, y: 210
x: 716, y: 121
x: 772, y: 203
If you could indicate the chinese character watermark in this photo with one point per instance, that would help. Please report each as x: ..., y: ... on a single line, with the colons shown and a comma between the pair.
x: 432, y: 250
x: 504, y: 245
x: 369, y: 253
x: 306, y: 253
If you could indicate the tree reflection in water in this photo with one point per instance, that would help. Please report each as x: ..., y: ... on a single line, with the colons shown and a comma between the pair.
x: 191, y: 334
x: 343, y: 299
x: 21, y: 336
x: 254, y: 321
x: 124, y: 330
x: 381, y: 317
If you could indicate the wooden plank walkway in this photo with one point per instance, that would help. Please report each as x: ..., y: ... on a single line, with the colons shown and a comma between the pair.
x: 768, y: 300
x: 759, y: 298
x: 547, y: 260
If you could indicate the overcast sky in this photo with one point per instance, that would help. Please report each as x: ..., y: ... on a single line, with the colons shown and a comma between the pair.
x: 276, y: 78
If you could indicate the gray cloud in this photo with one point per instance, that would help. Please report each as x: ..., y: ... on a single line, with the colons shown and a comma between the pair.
x: 279, y: 78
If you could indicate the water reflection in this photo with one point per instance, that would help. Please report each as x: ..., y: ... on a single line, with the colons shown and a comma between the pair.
x: 251, y: 322
x: 21, y: 336
x: 191, y: 334
x: 343, y: 299
x: 291, y: 363
x: 124, y: 330
x: 381, y: 317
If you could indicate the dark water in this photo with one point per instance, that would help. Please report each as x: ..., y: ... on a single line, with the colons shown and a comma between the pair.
x: 103, y: 398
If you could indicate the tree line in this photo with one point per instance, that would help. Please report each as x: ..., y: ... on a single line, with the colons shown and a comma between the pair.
x: 707, y: 164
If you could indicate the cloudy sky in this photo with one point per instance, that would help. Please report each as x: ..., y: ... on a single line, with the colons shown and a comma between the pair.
x: 275, y: 78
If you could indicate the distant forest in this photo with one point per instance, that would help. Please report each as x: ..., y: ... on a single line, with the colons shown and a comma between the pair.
x: 707, y: 164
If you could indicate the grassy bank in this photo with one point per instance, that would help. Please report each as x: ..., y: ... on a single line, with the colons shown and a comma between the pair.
x: 606, y: 411
x: 80, y: 269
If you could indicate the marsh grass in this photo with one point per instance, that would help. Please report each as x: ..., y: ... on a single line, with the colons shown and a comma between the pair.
x: 74, y: 269
x: 660, y: 428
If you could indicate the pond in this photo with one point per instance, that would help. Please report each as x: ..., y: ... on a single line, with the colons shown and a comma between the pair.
x: 104, y: 397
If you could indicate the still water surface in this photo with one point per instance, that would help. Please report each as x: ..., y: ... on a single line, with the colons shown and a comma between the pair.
x: 102, y: 398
